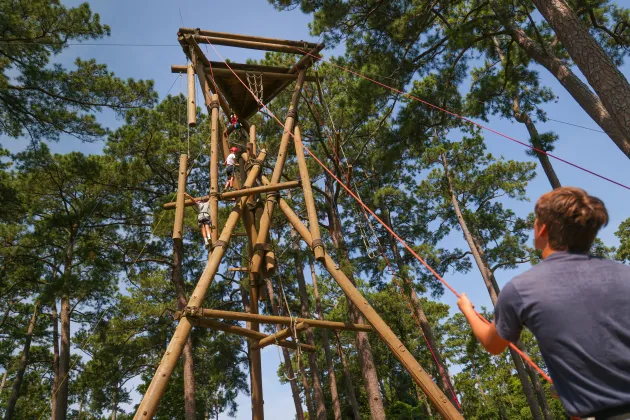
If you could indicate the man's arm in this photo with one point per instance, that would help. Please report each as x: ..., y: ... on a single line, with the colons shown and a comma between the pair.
x: 486, y: 334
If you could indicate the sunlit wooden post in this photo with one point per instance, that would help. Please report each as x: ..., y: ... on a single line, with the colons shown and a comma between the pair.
x: 311, y: 210
x: 265, y: 221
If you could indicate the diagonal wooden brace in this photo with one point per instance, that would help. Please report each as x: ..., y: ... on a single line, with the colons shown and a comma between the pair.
x: 280, y: 335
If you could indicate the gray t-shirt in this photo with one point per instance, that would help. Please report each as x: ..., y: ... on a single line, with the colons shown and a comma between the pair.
x: 578, y: 308
x: 203, y: 208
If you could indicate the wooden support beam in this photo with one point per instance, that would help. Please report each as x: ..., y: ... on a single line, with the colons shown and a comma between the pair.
x: 247, y: 333
x: 151, y: 399
x: 265, y: 221
x: 178, y: 68
x: 444, y: 406
x: 280, y: 335
x: 240, y: 193
x: 226, y: 35
x: 238, y: 269
x: 284, y: 320
x: 252, y: 45
x: 192, y: 102
x: 313, y: 221
x: 214, y: 168
x: 178, y: 225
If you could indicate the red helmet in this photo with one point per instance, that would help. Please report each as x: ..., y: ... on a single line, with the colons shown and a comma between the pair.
x: 234, y: 149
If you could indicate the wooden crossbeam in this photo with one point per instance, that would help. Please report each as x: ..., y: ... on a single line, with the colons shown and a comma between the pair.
x: 284, y: 320
x: 226, y: 35
x: 280, y: 335
x: 240, y: 193
x: 181, y: 68
x: 252, y: 45
x: 247, y: 333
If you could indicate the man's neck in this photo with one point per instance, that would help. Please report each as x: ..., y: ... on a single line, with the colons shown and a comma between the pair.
x: 547, y: 252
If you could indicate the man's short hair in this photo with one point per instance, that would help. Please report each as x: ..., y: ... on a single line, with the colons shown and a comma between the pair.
x: 573, y: 218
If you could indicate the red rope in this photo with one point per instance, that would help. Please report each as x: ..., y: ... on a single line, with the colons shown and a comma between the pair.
x: 465, y: 119
x: 391, y: 269
x: 389, y: 229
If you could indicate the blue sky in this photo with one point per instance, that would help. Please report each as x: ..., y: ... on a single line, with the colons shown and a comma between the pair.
x: 157, y: 21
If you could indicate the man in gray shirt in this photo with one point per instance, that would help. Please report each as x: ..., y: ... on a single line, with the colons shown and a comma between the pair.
x: 577, y: 306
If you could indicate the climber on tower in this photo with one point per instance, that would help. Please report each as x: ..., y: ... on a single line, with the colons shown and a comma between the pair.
x: 234, y: 121
x: 575, y: 304
x: 203, y: 217
x: 231, y: 163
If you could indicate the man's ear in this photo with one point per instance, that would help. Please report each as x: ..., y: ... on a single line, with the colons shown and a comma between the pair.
x: 542, y: 230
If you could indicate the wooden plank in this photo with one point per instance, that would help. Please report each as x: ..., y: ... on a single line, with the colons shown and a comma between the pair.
x: 240, y: 193
x: 284, y: 320
x: 247, y: 333
x: 226, y: 72
x: 280, y: 335
x: 226, y: 35
x: 252, y: 45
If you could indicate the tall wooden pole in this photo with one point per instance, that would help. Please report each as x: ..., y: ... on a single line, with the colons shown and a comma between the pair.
x: 313, y: 221
x: 178, y: 225
x: 258, y: 412
x: 192, y: 102
x: 149, y: 404
x: 265, y: 221
x: 214, y: 168
x: 178, y: 282
x: 419, y: 375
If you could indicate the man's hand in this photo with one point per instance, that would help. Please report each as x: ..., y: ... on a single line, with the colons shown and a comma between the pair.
x: 465, y: 305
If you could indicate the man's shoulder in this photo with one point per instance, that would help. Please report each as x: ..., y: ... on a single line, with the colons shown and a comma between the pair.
x: 531, y: 274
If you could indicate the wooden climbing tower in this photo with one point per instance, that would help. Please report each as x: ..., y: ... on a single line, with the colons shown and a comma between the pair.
x: 242, y: 89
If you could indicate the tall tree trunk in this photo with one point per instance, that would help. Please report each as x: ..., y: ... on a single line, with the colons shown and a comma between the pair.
x: 3, y: 382
x: 332, y: 376
x: 17, y: 382
x: 63, y: 377
x: 348, y: 380
x: 524, y: 118
x: 602, y: 74
x: 492, y: 287
x: 307, y: 392
x: 5, y: 316
x: 318, y: 391
x: 364, y: 350
x: 582, y: 94
x: 534, y: 137
x: 189, y: 366
x: 427, y: 330
x: 64, y: 361
x: 115, y: 404
x: 55, y: 339
x: 295, y: 391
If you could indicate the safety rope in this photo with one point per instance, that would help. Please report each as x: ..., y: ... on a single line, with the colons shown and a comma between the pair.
x: 461, y: 117
x: 381, y: 252
x: 389, y: 229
